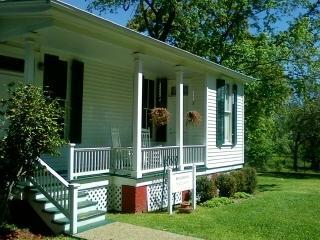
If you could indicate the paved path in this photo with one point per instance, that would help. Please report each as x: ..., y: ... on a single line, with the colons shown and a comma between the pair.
x: 125, y: 231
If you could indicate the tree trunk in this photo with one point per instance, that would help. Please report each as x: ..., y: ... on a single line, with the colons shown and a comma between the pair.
x: 315, y: 164
x: 295, y: 153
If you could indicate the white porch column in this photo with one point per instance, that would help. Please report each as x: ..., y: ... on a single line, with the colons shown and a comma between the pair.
x: 29, y: 61
x: 205, y: 140
x: 179, y: 114
x: 137, y: 115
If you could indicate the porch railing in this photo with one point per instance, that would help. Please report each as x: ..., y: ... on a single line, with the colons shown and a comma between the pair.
x: 61, y: 194
x: 122, y: 160
x: 155, y: 158
x: 89, y: 161
x: 193, y: 154
x: 92, y: 161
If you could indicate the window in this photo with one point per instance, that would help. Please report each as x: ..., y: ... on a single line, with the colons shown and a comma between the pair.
x: 11, y: 64
x: 226, y: 113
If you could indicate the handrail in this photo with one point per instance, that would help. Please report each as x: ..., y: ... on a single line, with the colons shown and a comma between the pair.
x: 53, y: 172
x: 93, y: 148
x: 53, y: 187
x: 88, y: 161
x: 159, y: 147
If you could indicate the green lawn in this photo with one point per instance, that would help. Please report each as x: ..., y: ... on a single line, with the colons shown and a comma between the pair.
x: 285, y: 206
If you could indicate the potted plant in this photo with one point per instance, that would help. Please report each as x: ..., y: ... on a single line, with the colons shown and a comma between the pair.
x: 160, y: 116
x: 193, y: 117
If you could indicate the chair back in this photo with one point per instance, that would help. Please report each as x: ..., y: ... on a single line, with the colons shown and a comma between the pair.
x: 145, y: 138
x: 115, y: 137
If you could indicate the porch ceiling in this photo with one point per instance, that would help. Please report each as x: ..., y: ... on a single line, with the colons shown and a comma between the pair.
x: 79, y: 45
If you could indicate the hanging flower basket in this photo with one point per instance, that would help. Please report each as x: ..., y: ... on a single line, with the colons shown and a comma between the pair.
x: 160, y: 116
x: 193, y: 117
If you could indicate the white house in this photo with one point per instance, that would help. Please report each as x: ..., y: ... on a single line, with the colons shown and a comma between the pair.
x: 110, y: 77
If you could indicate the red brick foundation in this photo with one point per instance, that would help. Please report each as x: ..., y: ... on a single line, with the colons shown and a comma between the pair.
x: 134, y: 199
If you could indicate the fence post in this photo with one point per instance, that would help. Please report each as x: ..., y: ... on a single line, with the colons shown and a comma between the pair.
x: 73, y: 200
x: 194, y: 186
x: 170, y: 190
x: 71, y: 161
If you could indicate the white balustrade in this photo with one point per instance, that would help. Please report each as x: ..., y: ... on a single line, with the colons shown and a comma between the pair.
x: 193, y: 154
x: 92, y: 161
x: 89, y: 161
x: 58, y: 191
x: 156, y: 158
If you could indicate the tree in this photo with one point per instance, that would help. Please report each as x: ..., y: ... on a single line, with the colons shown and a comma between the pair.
x: 31, y: 130
x: 242, y: 35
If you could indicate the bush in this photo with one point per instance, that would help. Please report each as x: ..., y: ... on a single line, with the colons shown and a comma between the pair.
x: 251, y: 181
x: 217, y: 202
x: 206, y: 189
x: 226, y: 184
x: 240, y: 179
x: 242, y: 195
x: 32, y: 129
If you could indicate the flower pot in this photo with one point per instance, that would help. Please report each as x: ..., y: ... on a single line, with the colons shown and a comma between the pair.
x: 185, y: 210
x: 185, y: 204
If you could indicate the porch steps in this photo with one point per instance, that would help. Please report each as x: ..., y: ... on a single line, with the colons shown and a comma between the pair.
x: 88, y: 214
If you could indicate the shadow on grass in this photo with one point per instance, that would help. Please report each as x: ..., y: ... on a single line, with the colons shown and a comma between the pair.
x: 291, y: 175
x: 267, y: 187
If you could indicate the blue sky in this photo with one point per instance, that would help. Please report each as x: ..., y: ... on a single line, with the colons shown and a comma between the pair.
x: 120, y: 18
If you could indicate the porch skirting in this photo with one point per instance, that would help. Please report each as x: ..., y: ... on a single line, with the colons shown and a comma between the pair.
x: 140, y: 197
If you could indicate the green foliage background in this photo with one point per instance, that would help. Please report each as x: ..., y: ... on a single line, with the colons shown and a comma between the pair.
x: 276, y: 42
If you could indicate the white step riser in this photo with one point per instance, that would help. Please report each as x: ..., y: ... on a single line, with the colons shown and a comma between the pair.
x: 57, y: 216
x: 48, y: 205
x: 86, y: 222
x: 41, y: 196
x: 48, y: 218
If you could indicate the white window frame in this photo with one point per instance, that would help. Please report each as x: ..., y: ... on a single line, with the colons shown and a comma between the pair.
x: 228, y: 114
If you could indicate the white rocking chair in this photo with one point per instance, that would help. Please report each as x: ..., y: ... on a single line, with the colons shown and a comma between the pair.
x: 145, y: 138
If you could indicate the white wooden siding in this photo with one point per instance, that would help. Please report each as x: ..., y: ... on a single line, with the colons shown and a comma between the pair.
x: 107, y: 102
x: 226, y: 155
x: 193, y: 135
x: 7, y: 77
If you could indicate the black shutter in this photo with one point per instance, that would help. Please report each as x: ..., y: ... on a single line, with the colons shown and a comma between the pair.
x: 55, y: 74
x: 220, y: 112
x: 76, y: 102
x: 55, y: 77
x: 145, y: 86
x: 50, y: 75
x: 234, y: 114
x: 147, y: 103
x: 161, y: 101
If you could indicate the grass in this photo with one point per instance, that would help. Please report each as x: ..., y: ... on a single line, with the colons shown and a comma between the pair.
x: 285, y: 206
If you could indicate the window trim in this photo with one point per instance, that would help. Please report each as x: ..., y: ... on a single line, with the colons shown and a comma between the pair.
x: 222, y: 140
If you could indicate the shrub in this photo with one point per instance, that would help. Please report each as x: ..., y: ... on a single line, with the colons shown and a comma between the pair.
x: 206, y: 189
x: 217, y: 202
x: 32, y: 129
x: 226, y: 184
x: 242, y: 195
x: 240, y: 179
x: 215, y: 190
x: 250, y: 175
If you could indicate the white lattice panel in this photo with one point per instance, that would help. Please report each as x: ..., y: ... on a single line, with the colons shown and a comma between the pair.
x: 158, y: 196
x: 98, y: 195
x: 115, y: 197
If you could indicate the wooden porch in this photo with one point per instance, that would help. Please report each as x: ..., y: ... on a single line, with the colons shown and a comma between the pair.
x: 106, y: 160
